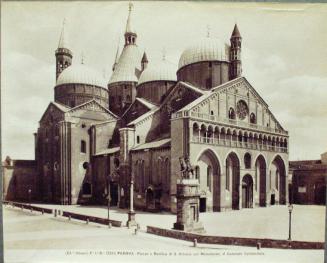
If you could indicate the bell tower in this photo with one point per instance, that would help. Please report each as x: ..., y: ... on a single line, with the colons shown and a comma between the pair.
x: 130, y: 34
x: 64, y: 56
x: 235, y: 54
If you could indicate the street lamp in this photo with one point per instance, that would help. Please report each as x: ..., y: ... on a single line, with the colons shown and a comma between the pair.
x: 29, y: 195
x: 131, y: 213
x: 290, y: 208
x: 108, y: 204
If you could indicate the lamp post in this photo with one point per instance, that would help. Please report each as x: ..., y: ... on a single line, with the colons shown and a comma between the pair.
x: 29, y: 195
x: 108, y: 201
x: 290, y: 208
x: 131, y: 214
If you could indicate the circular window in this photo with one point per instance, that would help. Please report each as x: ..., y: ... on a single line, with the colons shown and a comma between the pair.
x: 242, y: 109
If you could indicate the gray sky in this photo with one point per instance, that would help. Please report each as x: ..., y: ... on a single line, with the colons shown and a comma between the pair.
x: 284, y: 56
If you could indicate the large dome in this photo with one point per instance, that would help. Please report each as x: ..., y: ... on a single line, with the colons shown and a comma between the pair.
x: 207, y: 49
x: 162, y: 71
x: 81, y: 74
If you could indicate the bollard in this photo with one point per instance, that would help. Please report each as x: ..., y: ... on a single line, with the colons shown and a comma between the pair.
x: 258, y: 245
x: 31, y: 209
x: 109, y: 224
x: 195, y: 242
x: 135, y: 231
x: 55, y: 213
x: 42, y: 212
x: 70, y: 217
x: 87, y: 221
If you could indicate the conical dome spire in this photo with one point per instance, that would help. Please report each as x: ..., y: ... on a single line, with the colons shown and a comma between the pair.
x: 63, y: 55
x: 236, y: 32
x: 130, y: 34
x: 116, y: 57
x: 63, y: 38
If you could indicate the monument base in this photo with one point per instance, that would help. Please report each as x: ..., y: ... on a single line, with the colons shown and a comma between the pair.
x: 196, y: 227
x: 131, y: 219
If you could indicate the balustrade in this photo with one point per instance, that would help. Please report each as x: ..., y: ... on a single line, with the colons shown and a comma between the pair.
x: 227, y: 121
x: 238, y: 144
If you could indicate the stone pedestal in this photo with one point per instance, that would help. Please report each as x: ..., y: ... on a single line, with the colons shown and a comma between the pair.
x: 131, y: 219
x: 188, y: 202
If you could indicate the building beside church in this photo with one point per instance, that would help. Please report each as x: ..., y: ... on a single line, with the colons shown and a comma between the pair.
x: 136, y: 125
x: 308, y: 181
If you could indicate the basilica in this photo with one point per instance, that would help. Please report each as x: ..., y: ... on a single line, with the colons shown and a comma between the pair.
x: 99, y: 135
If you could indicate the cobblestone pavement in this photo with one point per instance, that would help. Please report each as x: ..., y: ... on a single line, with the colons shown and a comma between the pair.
x: 32, y: 237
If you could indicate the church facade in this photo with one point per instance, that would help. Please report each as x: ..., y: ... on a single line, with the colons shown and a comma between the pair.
x: 98, y: 135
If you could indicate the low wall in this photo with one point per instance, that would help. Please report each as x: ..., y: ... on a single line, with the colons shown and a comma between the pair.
x: 99, y: 220
x: 29, y: 207
x: 236, y: 241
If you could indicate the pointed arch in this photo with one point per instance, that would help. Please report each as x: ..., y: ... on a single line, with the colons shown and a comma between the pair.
x: 260, y: 175
x: 233, y: 171
x: 210, y: 174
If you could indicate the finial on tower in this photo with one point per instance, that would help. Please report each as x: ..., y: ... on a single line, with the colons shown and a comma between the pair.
x: 63, y: 55
x: 130, y: 6
x: 130, y: 34
x: 208, y: 30
x: 82, y: 58
x: 164, y: 54
x: 63, y: 39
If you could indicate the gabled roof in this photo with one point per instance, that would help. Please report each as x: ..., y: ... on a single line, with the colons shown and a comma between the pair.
x: 146, y: 103
x: 223, y: 86
x: 186, y: 85
x: 143, y: 101
x: 108, y: 151
x: 144, y: 116
x: 94, y: 102
x: 154, y: 144
x: 59, y: 106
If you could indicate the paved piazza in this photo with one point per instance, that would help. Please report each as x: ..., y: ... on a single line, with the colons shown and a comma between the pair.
x: 32, y: 237
x: 308, y: 222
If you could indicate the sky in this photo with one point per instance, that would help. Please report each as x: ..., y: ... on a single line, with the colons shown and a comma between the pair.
x: 284, y: 56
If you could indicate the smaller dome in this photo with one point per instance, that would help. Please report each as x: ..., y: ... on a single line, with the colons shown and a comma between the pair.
x: 81, y: 74
x: 162, y: 71
x: 207, y: 49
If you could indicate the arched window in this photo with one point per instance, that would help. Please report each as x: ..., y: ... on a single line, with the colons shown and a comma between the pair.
x: 209, y: 173
x: 277, y: 179
x: 227, y: 175
x: 247, y: 161
x: 231, y: 113
x: 197, y: 173
x: 253, y: 118
x: 159, y: 171
x: 167, y: 174
x: 83, y: 146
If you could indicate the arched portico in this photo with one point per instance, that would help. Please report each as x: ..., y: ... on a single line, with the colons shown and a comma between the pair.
x: 247, y: 191
x: 278, y: 179
x: 260, y: 173
x: 208, y: 169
